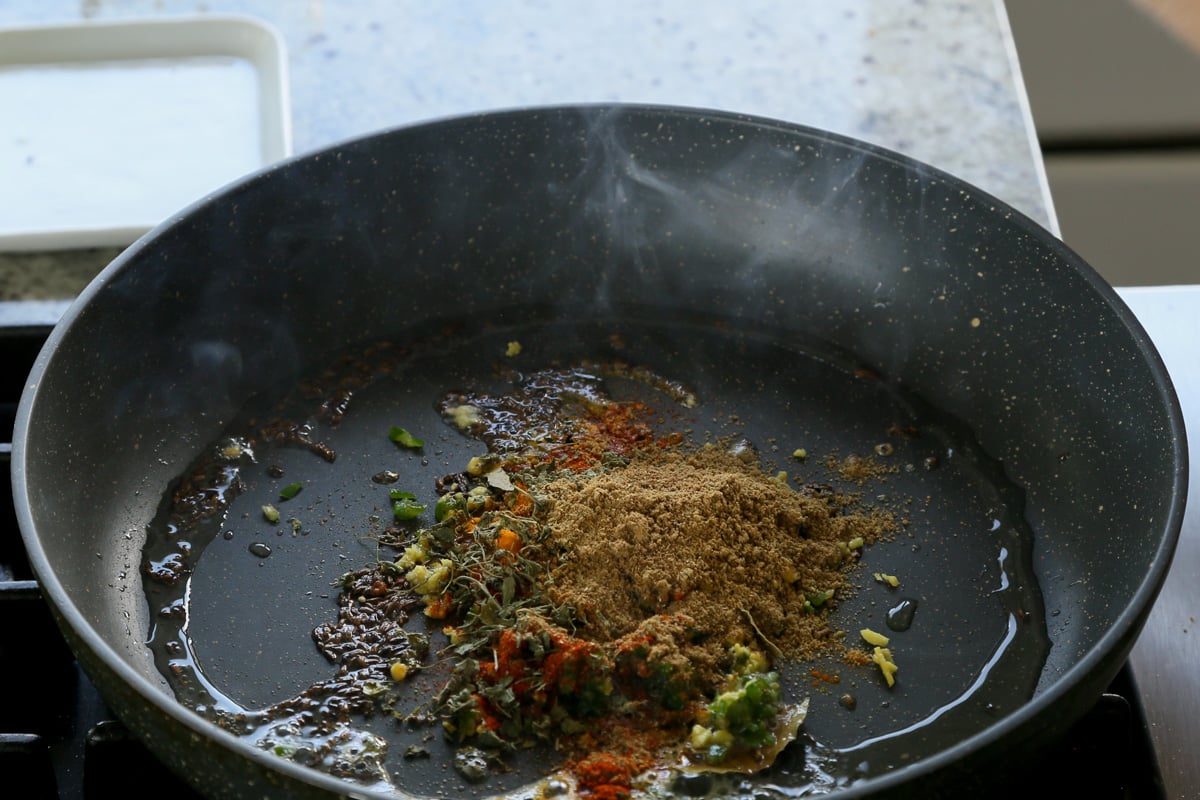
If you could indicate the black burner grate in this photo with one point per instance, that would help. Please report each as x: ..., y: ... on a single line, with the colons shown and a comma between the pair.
x: 59, y: 740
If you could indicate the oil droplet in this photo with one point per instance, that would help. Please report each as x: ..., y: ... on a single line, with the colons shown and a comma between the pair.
x: 900, y: 617
x: 260, y: 549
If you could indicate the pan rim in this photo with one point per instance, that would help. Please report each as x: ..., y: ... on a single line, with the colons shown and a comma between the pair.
x: 1118, y: 637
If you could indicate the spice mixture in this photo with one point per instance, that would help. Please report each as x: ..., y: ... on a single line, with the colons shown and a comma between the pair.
x: 709, y: 536
x: 616, y: 594
x: 619, y: 595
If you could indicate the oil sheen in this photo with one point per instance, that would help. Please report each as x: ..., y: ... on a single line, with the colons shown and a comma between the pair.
x: 235, y: 599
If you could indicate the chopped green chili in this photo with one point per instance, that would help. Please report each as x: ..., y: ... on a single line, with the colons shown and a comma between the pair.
x: 290, y: 491
x: 818, y: 599
x: 404, y: 438
x: 746, y: 713
x: 448, y: 504
x: 405, y: 505
x: 270, y: 513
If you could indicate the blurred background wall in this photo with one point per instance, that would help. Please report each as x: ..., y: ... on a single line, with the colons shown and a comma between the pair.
x: 1114, y: 87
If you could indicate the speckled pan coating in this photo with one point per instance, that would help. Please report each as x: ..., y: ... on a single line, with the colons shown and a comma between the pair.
x: 638, y: 210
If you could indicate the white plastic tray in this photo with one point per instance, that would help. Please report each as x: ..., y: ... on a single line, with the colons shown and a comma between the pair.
x: 107, y: 128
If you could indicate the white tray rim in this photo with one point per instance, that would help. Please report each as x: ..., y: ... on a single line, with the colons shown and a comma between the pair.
x: 136, y: 38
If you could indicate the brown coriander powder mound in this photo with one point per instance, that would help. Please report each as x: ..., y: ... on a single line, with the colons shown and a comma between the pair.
x: 708, y: 536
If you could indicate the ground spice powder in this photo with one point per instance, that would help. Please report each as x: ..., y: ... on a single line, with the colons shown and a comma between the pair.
x: 709, y: 536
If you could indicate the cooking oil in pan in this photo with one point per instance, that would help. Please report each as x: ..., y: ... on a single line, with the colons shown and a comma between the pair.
x: 234, y: 636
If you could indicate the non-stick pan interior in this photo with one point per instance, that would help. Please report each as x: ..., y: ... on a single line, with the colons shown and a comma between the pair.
x: 974, y: 651
x: 625, y: 215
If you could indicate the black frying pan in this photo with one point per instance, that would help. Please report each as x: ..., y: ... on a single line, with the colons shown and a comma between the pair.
x: 812, y: 290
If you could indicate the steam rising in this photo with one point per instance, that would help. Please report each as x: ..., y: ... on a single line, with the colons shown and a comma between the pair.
x: 674, y: 206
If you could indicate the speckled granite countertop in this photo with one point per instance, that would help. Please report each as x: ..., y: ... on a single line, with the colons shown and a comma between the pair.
x: 935, y: 79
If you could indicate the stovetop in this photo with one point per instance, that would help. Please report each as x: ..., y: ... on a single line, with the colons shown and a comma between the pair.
x: 58, y: 737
